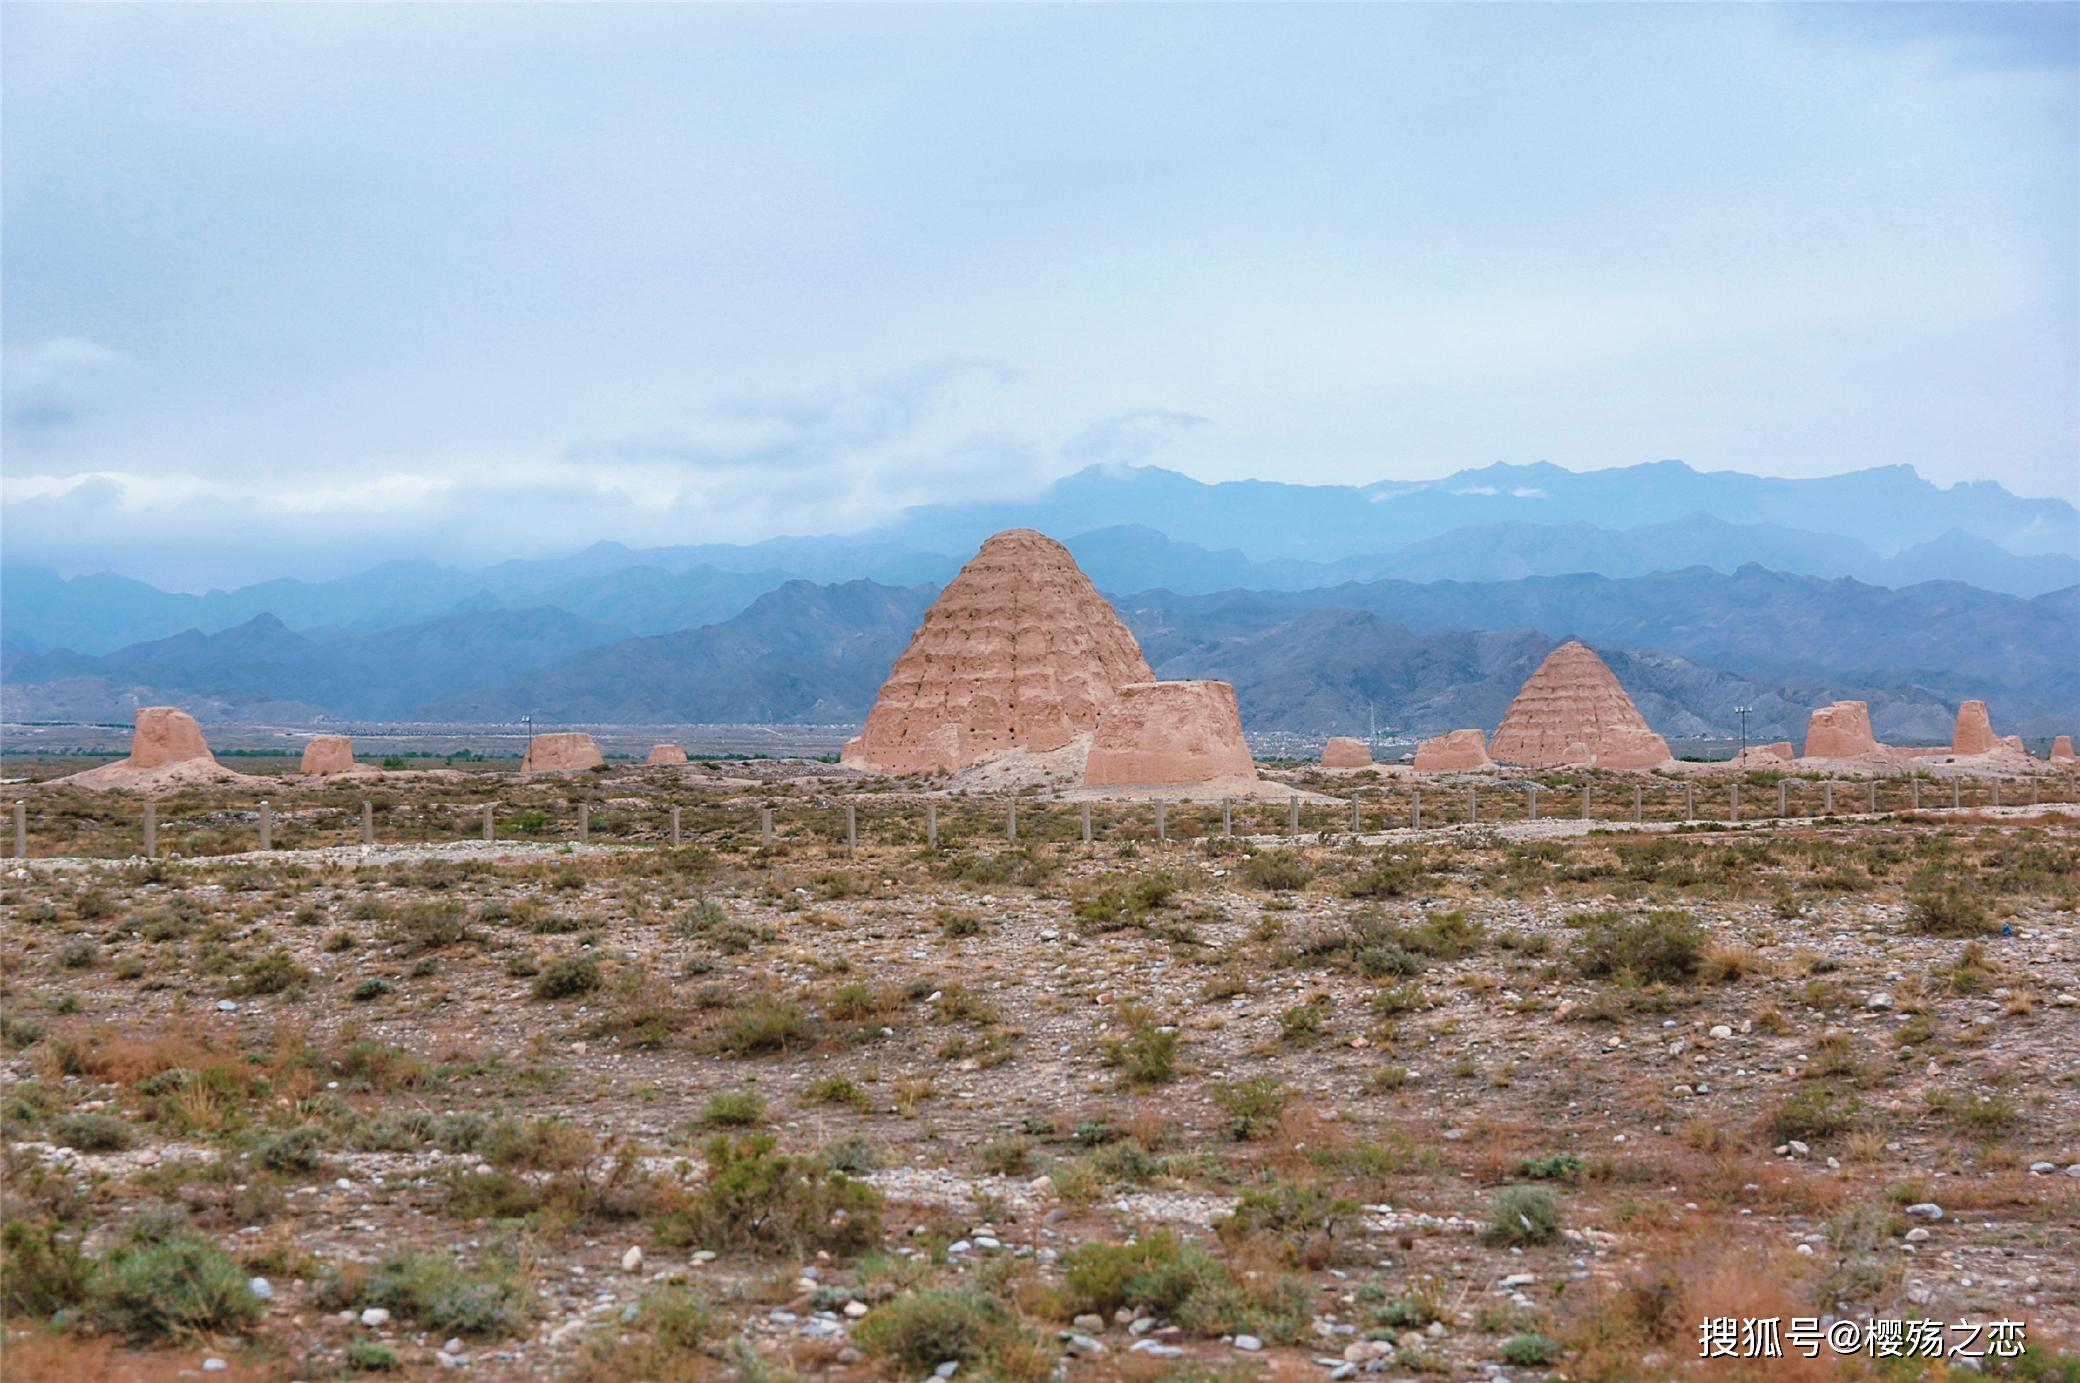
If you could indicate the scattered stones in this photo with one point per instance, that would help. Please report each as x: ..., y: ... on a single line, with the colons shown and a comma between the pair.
x: 1925, y: 1210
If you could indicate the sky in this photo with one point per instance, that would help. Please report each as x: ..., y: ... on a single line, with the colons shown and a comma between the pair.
x: 285, y: 290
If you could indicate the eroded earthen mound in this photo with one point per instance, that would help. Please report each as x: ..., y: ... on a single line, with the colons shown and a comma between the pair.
x: 1342, y: 751
x: 166, y: 735
x: 1974, y: 733
x: 1573, y: 712
x: 564, y: 751
x: 328, y: 754
x: 1158, y: 733
x: 1456, y: 751
x: 666, y: 754
x: 2062, y: 750
x: 1019, y: 652
x: 1841, y: 730
x: 167, y: 753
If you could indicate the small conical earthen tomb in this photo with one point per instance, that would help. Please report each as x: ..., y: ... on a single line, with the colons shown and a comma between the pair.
x: 1572, y: 712
x: 1841, y: 730
x: 328, y: 754
x: 1019, y: 652
x: 1974, y: 733
x: 1456, y: 751
x: 1343, y: 751
x: 565, y: 751
x: 2062, y: 750
x: 666, y: 754
x: 1163, y: 734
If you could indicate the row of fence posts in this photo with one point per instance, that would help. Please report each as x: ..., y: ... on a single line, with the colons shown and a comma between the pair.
x: 931, y: 814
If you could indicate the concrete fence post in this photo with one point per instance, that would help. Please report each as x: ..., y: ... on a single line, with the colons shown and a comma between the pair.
x: 21, y: 830
x: 1637, y: 805
x: 1531, y: 795
x: 584, y: 822
x: 1473, y: 804
x: 851, y: 826
x: 1827, y: 806
x: 151, y: 830
x: 1011, y: 821
x: 1996, y: 792
x: 1689, y: 801
x: 1415, y: 809
x: 1355, y: 818
x: 490, y: 830
x: 1956, y: 793
x: 1736, y: 804
x: 368, y: 823
x: 765, y: 827
x: 1874, y: 797
x: 1915, y: 782
x: 1086, y: 823
x: 18, y: 847
x: 675, y: 828
x: 931, y: 824
x: 1293, y: 815
x: 1586, y: 810
x: 266, y: 827
x: 1162, y: 829
x: 1227, y: 817
x: 1783, y: 796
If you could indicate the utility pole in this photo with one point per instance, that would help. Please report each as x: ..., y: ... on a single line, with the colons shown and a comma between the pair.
x: 1742, y: 712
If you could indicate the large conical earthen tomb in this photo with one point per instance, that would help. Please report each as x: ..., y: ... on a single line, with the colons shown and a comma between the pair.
x: 1573, y: 712
x: 167, y: 751
x: 1974, y: 732
x: 1018, y: 653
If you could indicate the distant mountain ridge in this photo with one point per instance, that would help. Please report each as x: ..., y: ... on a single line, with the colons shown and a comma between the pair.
x: 1691, y: 644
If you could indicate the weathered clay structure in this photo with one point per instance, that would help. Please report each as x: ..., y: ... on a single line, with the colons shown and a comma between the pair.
x: 1974, y: 733
x: 1342, y: 751
x: 1019, y: 652
x: 328, y: 754
x: 1455, y: 751
x: 666, y: 754
x: 2062, y: 750
x: 564, y: 751
x: 1573, y: 712
x: 1841, y: 730
x: 1161, y: 733
x: 166, y: 735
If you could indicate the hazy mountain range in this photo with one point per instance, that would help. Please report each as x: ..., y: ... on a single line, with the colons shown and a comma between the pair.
x: 1425, y: 605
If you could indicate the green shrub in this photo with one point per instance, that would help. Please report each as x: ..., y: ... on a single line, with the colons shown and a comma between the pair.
x: 275, y: 973
x: 837, y: 1090
x: 1813, y: 1111
x: 757, y: 1199
x: 1147, y: 1055
x: 41, y: 1271
x: 924, y: 1329
x: 375, y: 987
x: 768, y: 1025
x: 1558, y: 1167
x: 1275, y: 871
x: 734, y: 1109
x: 1949, y: 912
x: 1253, y: 1106
x: 162, y: 1289
x: 92, y: 1133
x: 1661, y: 947
x: 1113, y: 902
x: 1527, y: 1350
x: 437, y: 1293
x: 567, y: 978
x: 1522, y: 1215
x: 431, y: 926
x: 294, y: 1151
x: 370, y: 1356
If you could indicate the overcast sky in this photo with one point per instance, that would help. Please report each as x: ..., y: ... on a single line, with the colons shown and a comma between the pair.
x: 288, y: 289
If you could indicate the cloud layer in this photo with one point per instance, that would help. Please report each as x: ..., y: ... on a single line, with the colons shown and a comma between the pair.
x: 290, y: 288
